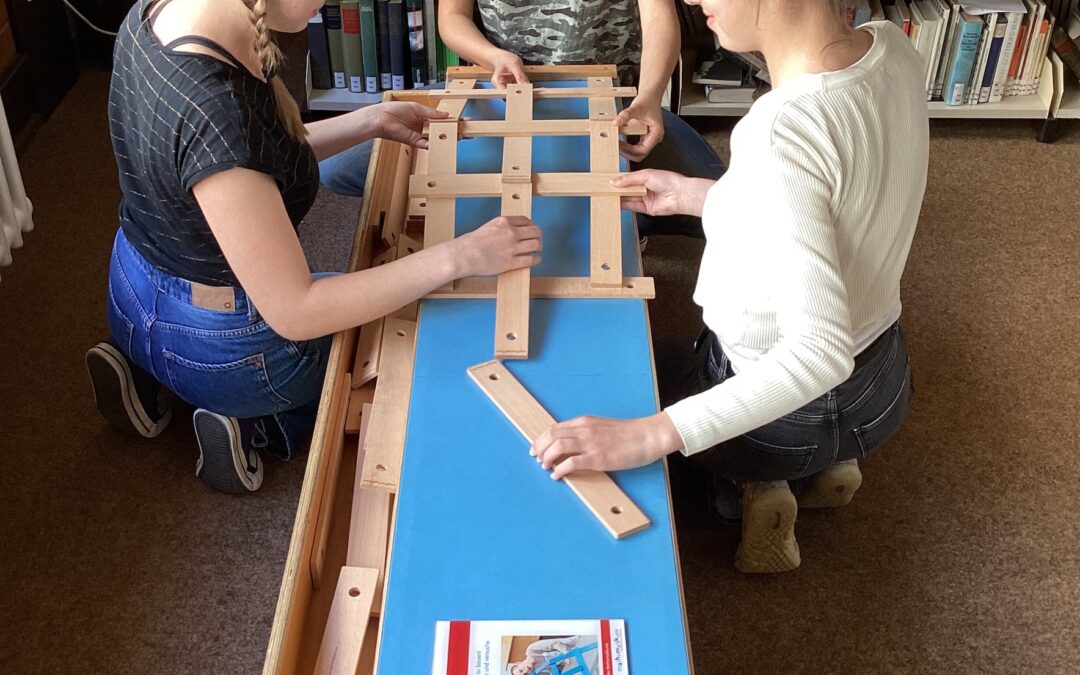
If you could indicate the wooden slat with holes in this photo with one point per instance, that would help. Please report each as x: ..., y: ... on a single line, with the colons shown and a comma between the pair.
x: 605, y: 253
x: 596, y: 489
x: 440, y: 213
x: 369, y: 522
x: 539, y: 73
x: 386, y: 433
x: 544, y: 185
x: 340, y: 403
x: 551, y: 288
x: 538, y: 93
x: 394, y: 223
x: 481, y: 128
x: 366, y: 363
x: 358, y: 398
x: 343, y: 638
x: 512, y: 294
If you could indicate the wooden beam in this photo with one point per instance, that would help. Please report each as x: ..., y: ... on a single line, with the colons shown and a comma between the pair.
x: 480, y: 128
x: 551, y: 287
x: 539, y: 73
x: 605, y: 214
x: 340, y: 405
x: 538, y: 93
x: 369, y: 522
x: 368, y: 350
x: 358, y: 398
x: 347, y: 624
x: 442, y: 158
x: 596, y: 489
x: 543, y: 184
x: 394, y: 222
x: 386, y: 433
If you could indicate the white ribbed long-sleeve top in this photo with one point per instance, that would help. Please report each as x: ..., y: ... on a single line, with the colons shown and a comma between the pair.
x: 807, y: 235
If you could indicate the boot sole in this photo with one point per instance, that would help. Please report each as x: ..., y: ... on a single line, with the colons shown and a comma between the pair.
x: 832, y: 488
x: 768, y: 536
x: 221, y: 465
x: 114, y: 393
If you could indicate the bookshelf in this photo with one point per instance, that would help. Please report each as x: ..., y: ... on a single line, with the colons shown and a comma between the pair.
x: 334, y: 100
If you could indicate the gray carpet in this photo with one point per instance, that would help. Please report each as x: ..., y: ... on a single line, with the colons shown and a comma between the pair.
x: 959, y: 554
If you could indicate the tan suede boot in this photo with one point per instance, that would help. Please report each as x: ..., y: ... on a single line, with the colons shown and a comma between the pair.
x: 833, y: 487
x: 768, y: 529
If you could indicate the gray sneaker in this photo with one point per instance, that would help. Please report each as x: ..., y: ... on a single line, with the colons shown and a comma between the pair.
x: 226, y: 463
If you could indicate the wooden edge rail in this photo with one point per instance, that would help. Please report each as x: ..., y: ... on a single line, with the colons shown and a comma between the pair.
x: 385, y: 442
x: 471, y: 288
x: 343, y: 638
x: 538, y: 93
x: 539, y: 73
x: 596, y: 489
x: 573, y: 127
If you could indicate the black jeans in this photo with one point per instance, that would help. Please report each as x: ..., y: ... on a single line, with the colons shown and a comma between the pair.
x: 851, y: 421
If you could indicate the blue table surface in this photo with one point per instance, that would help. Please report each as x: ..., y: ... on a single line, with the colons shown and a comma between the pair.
x: 481, y: 531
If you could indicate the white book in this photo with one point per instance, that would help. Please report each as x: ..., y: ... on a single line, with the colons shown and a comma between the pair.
x: 975, y: 88
x: 1012, y: 87
x: 1012, y: 32
x: 950, y: 13
x: 934, y: 24
x: 1023, y: 81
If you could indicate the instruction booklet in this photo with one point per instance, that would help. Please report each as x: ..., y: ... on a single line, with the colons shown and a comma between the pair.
x: 590, y: 647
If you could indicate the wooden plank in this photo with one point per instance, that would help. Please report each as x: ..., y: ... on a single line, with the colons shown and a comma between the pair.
x: 358, y: 398
x: 406, y: 245
x: 386, y: 433
x: 512, y: 294
x: 339, y: 404
x: 347, y: 625
x: 539, y: 73
x: 442, y: 159
x: 605, y: 212
x: 418, y: 205
x: 368, y: 350
x: 544, y: 185
x: 369, y: 523
x: 454, y: 107
x: 480, y: 128
x: 538, y: 93
x: 551, y: 287
x: 596, y: 489
x: 394, y: 222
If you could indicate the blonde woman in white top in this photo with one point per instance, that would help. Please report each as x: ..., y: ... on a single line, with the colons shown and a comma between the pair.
x: 808, y: 232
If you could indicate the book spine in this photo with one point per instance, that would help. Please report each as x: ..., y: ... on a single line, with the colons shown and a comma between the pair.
x: 368, y: 31
x: 1012, y: 31
x: 1014, y: 65
x: 334, y: 41
x: 382, y: 19
x: 992, y: 59
x: 417, y: 52
x: 975, y: 83
x: 431, y: 47
x: 971, y: 33
x: 1065, y: 48
x: 350, y: 40
x: 397, y: 45
x: 321, y: 75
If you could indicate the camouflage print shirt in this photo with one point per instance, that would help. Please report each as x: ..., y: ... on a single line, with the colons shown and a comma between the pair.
x: 567, y: 31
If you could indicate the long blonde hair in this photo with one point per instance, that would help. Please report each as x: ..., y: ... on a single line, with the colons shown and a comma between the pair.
x: 270, y: 58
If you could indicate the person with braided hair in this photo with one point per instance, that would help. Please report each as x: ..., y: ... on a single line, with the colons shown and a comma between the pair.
x: 209, y: 293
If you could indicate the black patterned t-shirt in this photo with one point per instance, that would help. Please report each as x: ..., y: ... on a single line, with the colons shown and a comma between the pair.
x: 177, y: 118
x: 567, y: 32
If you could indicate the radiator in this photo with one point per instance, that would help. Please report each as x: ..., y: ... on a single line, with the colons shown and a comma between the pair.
x: 16, y: 211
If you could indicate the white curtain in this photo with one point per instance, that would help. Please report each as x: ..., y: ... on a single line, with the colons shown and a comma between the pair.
x: 16, y: 211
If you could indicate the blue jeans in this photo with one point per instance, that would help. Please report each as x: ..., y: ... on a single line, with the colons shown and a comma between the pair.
x: 228, y: 361
x: 683, y: 150
x: 849, y: 422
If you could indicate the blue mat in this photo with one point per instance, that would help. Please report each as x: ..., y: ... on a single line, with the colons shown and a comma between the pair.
x: 481, y: 531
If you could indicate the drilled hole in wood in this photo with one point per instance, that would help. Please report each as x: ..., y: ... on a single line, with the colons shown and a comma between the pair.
x: 603, y: 134
x: 617, y: 510
x: 400, y: 333
x: 517, y: 91
x: 630, y: 285
x: 516, y: 168
x: 515, y: 196
x: 354, y: 592
x: 423, y: 204
x: 493, y: 376
x: 365, y: 364
x: 431, y: 183
x: 410, y: 249
x: 442, y: 137
x: 511, y: 336
x: 602, y: 114
x: 604, y: 266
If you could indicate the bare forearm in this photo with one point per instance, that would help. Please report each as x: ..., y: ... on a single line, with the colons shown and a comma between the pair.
x: 660, y: 43
x: 331, y: 136
x: 460, y: 33
x: 694, y: 191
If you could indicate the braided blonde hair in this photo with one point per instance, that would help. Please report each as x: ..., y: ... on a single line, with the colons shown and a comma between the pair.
x: 270, y: 57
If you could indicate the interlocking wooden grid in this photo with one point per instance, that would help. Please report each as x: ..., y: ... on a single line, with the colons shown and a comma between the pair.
x: 436, y: 184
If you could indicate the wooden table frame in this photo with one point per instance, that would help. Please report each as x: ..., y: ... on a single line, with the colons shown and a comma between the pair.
x: 325, y: 542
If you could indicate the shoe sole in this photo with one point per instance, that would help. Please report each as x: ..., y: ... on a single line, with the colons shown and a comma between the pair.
x: 220, y: 465
x: 832, y: 488
x: 114, y: 393
x: 768, y: 536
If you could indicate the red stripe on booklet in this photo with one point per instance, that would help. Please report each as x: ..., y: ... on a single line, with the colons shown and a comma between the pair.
x: 605, y: 645
x: 457, y: 656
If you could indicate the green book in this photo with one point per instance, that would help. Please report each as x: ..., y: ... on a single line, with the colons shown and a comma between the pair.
x: 333, y: 38
x: 368, y: 29
x: 350, y: 40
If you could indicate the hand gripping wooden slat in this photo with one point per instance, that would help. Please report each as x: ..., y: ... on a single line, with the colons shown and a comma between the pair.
x: 386, y: 432
x: 605, y: 257
x: 343, y: 637
x: 596, y: 489
x: 512, y: 295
